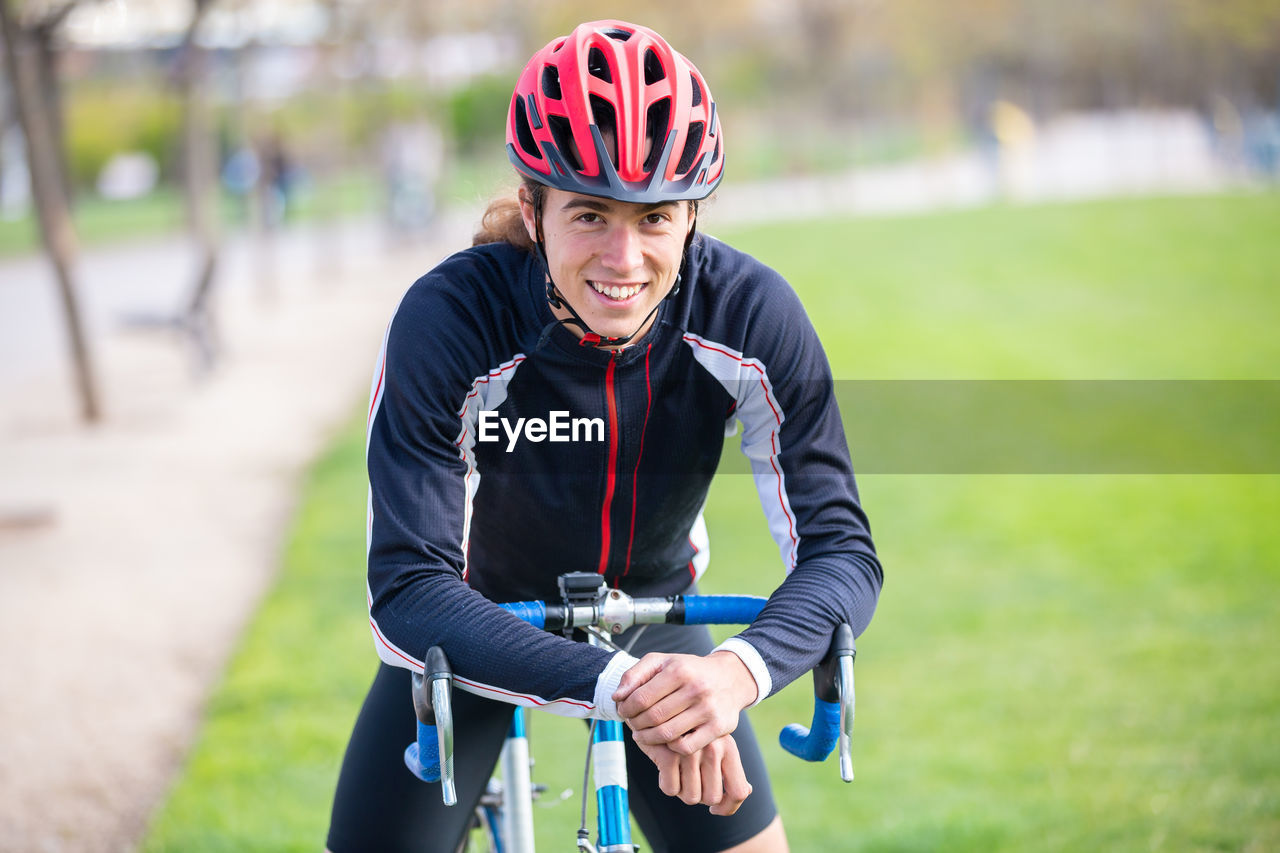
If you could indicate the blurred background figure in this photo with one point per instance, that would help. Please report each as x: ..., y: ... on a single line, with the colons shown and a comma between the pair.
x: 1015, y: 135
x: 412, y: 159
x: 240, y: 175
x: 280, y: 176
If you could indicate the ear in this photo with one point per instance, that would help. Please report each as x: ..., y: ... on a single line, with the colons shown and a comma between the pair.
x: 527, y: 213
x: 693, y: 219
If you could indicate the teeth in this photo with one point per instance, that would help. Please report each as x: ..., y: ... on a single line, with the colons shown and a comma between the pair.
x: 615, y: 292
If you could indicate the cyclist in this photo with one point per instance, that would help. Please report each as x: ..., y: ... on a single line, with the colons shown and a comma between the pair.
x: 556, y: 398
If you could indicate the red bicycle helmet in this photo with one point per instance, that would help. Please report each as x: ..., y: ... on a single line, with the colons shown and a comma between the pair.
x: 612, y: 110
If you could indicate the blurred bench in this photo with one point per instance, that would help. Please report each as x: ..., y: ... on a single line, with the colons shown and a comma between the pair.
x: 194, y: 322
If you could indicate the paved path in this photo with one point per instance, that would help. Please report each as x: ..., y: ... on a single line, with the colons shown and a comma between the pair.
x: 131, y: 553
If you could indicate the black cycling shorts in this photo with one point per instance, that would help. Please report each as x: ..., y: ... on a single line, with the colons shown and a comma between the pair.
x: 379, y: 805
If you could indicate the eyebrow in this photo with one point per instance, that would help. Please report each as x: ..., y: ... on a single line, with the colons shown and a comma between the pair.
x: 602, y: 207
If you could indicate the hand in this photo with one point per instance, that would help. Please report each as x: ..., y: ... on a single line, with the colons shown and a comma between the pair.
x: 684, y: 701
x: 713, y: 776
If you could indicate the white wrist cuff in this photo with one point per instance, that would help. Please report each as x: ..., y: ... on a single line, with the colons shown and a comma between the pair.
x: 607, y: 685
x: 754, y: 664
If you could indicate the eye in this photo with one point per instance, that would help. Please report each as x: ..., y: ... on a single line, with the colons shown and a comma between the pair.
x: 588, y: 218
x: 657, y: 218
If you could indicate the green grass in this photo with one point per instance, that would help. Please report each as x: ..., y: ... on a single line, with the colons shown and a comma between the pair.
x: 261, y: 776
x: 356, y: 193
x: 1181, y: 288
x: 100, y: 221
x: 1057, y: 663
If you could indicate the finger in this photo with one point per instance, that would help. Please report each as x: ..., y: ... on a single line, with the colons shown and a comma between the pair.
x: 686, y: 733
x: 690, y: 781
x: 712, y: 779
x: 682, y: 708
x: 669, y: 777
x: 658, y: 674
x: 689, y: 708
x: 668, y: 769
x: 677, y: 723
x: 695, y: 739
x: 648, y: 666
x: 655, y: 702
x: 736, y: 786
x: 668, y: 765
x: 654, y: 699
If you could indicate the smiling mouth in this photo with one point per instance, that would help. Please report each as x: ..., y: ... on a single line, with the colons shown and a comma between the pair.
x: 615, y: 292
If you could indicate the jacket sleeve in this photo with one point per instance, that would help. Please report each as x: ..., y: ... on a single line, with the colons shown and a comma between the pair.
x: 419, y: 497
x: 794, y: 439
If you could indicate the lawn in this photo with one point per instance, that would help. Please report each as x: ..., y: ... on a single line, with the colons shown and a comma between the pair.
x: 355, y: 194
x: 1058, y: 662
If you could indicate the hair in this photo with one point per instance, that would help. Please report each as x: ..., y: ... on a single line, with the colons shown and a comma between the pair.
x: 502, y: 221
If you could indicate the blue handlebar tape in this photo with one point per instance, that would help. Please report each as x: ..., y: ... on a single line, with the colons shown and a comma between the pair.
x: 533, y: 612
x: 423, y: 757
x: 815, y: 743
x: 722, y: 609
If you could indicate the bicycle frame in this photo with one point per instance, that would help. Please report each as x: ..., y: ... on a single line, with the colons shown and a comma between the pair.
x: 588, y: 605
x: 516, y: 822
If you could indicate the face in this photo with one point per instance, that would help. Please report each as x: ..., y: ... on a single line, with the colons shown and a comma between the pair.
x: 613, y: 261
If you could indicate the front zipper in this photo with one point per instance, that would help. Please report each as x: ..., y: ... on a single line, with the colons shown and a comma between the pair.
x: 612, y: 479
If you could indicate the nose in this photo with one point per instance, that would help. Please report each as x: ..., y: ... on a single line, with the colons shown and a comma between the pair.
x: 622, y: 252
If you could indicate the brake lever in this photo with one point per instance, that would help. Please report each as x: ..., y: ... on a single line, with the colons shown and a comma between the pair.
x: 433, y: 705
x: 847, y: 707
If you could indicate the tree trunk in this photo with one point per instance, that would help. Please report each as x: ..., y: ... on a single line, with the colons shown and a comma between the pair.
x: 46, y: 66
x: 56, y: 229
x: 200, y: 186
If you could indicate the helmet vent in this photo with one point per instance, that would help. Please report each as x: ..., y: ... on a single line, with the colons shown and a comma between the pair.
x: 607, y: 120
x: 598, y: 66
x: 653, y: 71
x: 559, y: 45
x: 562, y: 133
x: 697, y: 90
x: 658, y: 121
x: 551, y: 82
x: 692, y: 142
x: 615, y: 33
x: 524, y: 135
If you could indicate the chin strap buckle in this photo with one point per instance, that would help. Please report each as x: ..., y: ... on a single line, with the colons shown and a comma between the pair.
x: 591, y: 339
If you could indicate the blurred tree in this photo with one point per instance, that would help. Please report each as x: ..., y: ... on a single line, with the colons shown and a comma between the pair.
x: 29, y: 67
x: 200, y: 183
x: 478, y: 113
x: 1233, y: 47
x: 42, y: 33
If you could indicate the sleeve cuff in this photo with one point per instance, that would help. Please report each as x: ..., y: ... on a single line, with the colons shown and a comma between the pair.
x: 754, y: 663
x: 607, y: 685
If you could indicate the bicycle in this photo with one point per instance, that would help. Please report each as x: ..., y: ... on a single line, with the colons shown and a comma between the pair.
x: 505, y: 814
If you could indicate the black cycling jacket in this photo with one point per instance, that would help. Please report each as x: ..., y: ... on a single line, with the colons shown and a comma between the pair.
x: 464, y: 510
